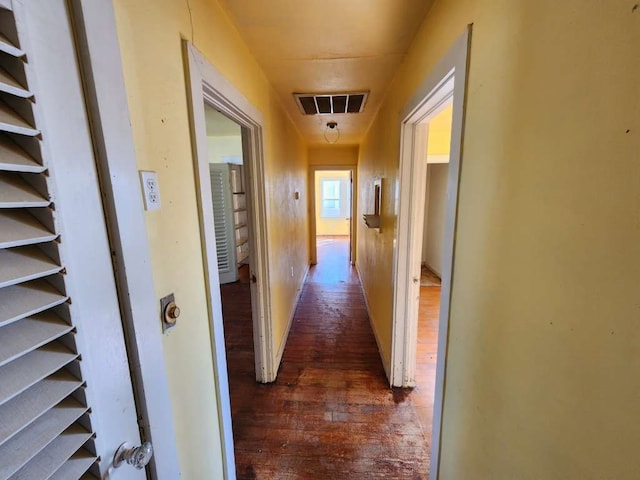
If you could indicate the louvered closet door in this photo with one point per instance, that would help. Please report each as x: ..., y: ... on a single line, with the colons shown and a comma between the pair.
x: 223, y: 222
x: 65, y: 389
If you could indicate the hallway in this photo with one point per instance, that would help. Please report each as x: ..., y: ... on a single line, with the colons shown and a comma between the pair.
x: 330, y: 413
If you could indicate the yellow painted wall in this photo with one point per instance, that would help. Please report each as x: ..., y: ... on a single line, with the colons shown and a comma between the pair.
x: 333, y: 155
x: 543, y: 358
x: 150, y: 33
x: 440, y: 133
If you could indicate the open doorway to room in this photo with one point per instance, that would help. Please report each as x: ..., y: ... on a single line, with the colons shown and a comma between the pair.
x: 229, y: 197
x: 437, y: 158
x: 232, y: 226
x: 332, y: 212
x: 331, y: 203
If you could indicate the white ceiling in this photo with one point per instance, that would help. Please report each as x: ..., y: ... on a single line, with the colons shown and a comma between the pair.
x: 327, y: 46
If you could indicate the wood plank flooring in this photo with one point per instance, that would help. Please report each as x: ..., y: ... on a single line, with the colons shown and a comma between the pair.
x: 330, y: 414
x: 422, y: 394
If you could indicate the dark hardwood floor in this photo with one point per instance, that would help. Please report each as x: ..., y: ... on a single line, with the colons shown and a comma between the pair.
x: 330, y: 414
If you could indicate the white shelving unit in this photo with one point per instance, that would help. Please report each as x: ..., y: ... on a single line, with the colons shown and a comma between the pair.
x: 239, y: 204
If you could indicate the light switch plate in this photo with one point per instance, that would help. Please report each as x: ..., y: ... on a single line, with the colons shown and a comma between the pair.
x: 150, y: 189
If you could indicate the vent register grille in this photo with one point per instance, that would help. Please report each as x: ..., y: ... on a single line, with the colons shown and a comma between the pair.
x: 326, y: 104
x: 45, y: 430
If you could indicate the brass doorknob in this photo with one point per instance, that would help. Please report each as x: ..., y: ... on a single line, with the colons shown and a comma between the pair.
x: 171, y: 313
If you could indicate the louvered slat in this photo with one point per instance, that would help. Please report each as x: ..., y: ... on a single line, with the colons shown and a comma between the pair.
x: 15, y: 159
x: 29, y: 442
x: 16, y: 193
x: 10, y: 85
x: 74, y: 467
x: 29, y: 369
x: 26, y: 335
x: 25, y: 299
x: 54, y: 455
x: 19, y: 412
x: 10, y: 121
x: 7, y: 47
x: 18, y: 228
x: 25, y: 263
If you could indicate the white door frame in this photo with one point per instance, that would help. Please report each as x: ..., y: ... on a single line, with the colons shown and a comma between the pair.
x: 208, y: 85
x: 313, y: 250
x: 448, y: 78
x: 106, y: 97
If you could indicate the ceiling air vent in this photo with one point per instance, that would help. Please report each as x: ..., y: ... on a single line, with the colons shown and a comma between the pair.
x: 330, y: 103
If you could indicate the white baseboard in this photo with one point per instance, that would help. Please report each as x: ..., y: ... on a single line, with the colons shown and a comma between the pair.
x: 373, y: 327
x: 292, y: 314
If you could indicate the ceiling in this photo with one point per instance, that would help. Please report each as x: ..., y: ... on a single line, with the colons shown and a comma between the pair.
x: 219, y: 125
x: 329, y: 46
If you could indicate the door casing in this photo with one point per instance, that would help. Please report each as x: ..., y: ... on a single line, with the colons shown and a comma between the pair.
x: 448, y: 78
x: 207, y: 85
x: 106, y: 99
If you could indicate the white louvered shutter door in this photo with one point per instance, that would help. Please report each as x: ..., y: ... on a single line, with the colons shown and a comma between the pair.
x: 223, y: 222
x: 45, y: 422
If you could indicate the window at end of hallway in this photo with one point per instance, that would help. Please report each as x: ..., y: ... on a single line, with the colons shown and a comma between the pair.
x: 331, y: 207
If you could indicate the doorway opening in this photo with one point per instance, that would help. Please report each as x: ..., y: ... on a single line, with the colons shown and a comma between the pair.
x: 231, y: 221
x: 229, y: 196
x: 439, y: 100
x: 437, y: 159
x: 332, y: 227
x: 333, y: 218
